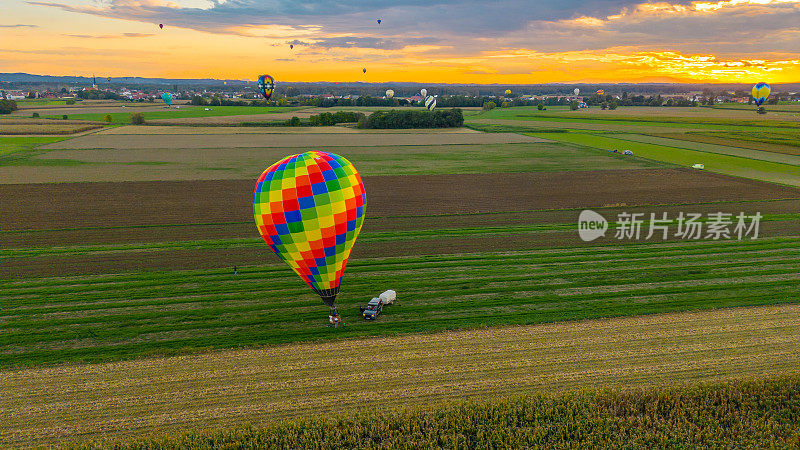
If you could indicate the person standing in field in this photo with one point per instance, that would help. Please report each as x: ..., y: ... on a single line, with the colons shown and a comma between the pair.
x: 235, y: 271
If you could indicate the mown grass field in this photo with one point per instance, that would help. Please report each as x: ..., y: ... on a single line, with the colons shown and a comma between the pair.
x: 338, y: 377
x: 119, y: 316
x: 733, y: 142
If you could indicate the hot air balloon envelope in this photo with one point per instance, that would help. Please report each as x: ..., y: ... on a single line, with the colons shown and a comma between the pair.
x: 423, y: 93
x: 389, y: 93
x: 430, y: 103
x: 600, y: 92
x: 266, y: 84
x: 577, y: 91
x: 508, y: 92
x: 167, y: 97
x: 379, y: 21
x: 760, y: 93
x: 309, y: 208
x: 291, y: 46
x: 161, y: 26
x: 364, y: 70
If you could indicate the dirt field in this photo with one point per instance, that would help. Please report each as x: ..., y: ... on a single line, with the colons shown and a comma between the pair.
x: 141, y: 203
x: 50, y: 129
x: 193, y: 130
x: 286, y: 140
x: 65, y: 404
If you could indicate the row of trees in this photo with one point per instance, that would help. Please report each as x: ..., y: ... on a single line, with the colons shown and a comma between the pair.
x: 445, y: 118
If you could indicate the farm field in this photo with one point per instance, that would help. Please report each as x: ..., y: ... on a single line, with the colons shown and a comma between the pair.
x: 120, y: 314
x: 159, y: 111
x: 222, y: 389
x: 734, y: 142
x: 196, y: 158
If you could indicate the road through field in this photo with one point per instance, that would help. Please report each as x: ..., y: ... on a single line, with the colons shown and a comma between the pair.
x: 65, y: 404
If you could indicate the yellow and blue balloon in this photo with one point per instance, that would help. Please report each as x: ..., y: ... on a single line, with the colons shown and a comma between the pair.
x: 760, y: 93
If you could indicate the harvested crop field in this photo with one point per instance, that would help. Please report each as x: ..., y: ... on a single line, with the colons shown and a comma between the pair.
x: 45, y: 129
x: 287, y: 140
x: 65, y: 404
x: 142, y: 203
x: 176, y: 130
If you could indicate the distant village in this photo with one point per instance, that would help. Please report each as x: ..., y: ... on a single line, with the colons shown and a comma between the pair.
x: 245, y: 91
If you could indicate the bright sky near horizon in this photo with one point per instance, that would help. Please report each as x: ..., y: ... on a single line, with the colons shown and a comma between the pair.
x: 436, y: 41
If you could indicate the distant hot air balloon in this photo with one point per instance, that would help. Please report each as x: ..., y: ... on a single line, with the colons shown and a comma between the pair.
x: 266, y: 84
x: 760, y: 93
x: 379, y: 21
x: 430, y: 103
x: 109, y: 79
x: 364, y: 70
x: 161, y: 26
x: 508, y: 92
x: 389, y: 93
x: 291, y: 46
x: 423, y: 93
x: 601, y: 92
x: 309, y: 209
x: 577, y: 91
x: 167, y: 97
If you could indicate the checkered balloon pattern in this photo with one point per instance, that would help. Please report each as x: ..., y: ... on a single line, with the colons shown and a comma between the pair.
x: 309, y: 208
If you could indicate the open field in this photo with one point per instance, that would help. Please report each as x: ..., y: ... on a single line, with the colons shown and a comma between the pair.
x: 287, y: 140
x: 423, y: 156
x: 733, y: 165
x: 45, y: 129
x: 726, y: 141
x: 121, y: 316
x: 767, y: 142
x: 220, y: 389
x: 742, y: 413
x: 144, y: 203
x: 159, y: 111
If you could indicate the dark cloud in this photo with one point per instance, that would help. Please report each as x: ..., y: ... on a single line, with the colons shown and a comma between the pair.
x: 471, y: 26
x: 365, y: 42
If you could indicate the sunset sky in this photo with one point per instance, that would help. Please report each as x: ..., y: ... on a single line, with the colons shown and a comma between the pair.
x: 436, y: 41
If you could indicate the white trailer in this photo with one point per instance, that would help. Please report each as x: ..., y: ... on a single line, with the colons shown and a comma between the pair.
x: 388, y: 297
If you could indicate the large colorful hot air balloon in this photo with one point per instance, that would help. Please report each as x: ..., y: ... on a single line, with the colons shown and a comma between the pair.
x: 167, y: 97
x: 389, y: 93
x: 266, y: 84
x: 309, y: 209
x: 760, y: 93
x: 430, y: 103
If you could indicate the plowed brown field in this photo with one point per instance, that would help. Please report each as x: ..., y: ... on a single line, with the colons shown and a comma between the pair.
x: 70, y: 205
